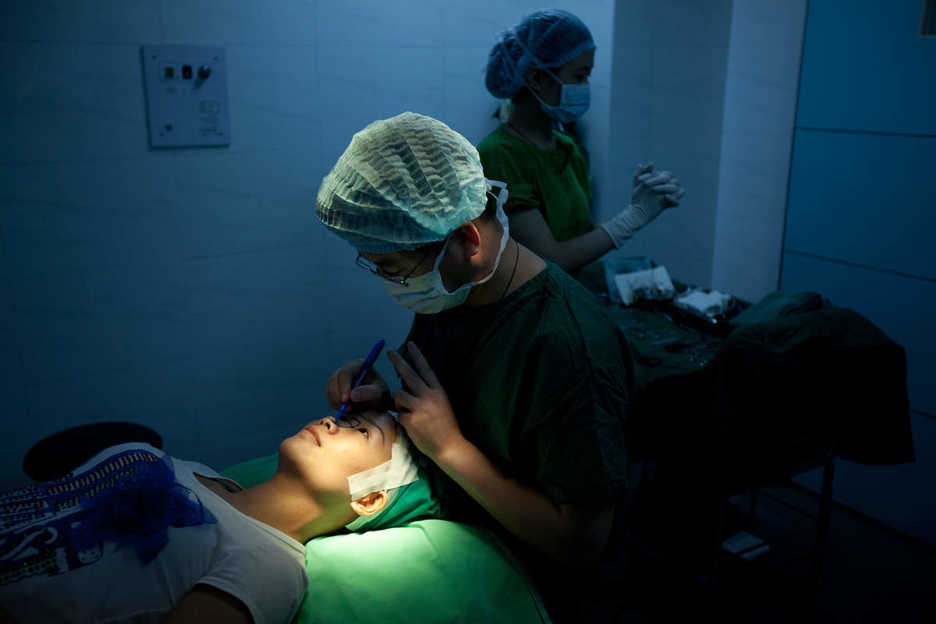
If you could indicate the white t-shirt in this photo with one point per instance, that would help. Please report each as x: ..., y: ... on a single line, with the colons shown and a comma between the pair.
x: 44, y: 578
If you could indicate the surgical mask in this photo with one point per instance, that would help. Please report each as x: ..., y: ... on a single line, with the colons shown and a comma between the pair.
x: 426, y: 294
x: 574, y: 100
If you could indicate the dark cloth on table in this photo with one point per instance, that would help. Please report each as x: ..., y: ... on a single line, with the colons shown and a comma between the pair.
x: 788, y: 379
x: 749, y: 403
x: 824, y: 378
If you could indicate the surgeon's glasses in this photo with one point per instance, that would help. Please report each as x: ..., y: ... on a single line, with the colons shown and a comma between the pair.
x: 366, y: 264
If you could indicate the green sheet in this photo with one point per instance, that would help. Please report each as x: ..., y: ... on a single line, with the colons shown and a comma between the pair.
x: 428, y: 570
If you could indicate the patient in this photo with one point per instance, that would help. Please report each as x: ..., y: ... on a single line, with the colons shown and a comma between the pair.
x: 134, y: 534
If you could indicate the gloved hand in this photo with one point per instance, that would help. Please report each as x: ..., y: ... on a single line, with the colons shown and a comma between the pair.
x: 653, y: 192
x: 662, y: 183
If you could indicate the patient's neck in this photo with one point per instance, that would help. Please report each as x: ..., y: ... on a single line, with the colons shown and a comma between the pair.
x: 284, y: 504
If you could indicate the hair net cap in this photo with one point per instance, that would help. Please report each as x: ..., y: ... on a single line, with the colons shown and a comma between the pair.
x: 548, y: 38
x: 403, y: 182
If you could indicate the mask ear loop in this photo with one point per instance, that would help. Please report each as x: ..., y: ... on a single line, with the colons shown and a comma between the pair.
x: 502, y: 194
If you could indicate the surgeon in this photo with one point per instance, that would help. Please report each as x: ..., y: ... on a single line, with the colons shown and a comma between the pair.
x: 542, y: 67
x: 513, y: 382
x: 136, y: 535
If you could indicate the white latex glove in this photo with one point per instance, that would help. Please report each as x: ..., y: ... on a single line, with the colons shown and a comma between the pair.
x: 653, y: 192
x: 660, y: 182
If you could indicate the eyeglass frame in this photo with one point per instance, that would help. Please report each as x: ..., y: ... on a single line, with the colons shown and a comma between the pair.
x: 367, y: 265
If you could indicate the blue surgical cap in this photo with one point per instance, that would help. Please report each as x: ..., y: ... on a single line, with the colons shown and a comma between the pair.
x: 403, y: 182
x: 553, y: 36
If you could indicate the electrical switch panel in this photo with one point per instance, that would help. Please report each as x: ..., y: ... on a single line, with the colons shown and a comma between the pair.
x: 186, y: 96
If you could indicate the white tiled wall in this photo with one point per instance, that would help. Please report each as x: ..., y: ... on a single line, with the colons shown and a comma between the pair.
x: 708, y: 91
x: 193, y: 290
x: 667, y: 107
x: 757, y: 139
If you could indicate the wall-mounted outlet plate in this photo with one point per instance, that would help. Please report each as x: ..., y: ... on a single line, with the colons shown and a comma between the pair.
x: 186, y: 96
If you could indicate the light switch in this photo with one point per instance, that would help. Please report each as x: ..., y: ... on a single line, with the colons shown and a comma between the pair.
x: 186, y: 96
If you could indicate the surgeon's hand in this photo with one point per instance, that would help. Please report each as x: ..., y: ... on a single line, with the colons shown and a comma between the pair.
x: 424, y: 408
x: 373, y: 389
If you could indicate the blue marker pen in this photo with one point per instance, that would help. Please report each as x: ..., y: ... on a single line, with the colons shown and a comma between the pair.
x: 368, y: 364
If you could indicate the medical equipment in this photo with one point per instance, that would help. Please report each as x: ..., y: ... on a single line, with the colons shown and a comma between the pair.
x: 365, y: 368
x: 403, y: 182
x: 653, y: 284
x: 704, y: 304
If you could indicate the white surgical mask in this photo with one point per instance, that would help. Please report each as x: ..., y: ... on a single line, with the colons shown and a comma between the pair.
x: 574, y: 100
x: 426, y: 294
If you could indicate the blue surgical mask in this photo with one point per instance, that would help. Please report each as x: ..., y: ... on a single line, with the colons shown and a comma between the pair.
x: 574, y: 100
x: 426, y: 294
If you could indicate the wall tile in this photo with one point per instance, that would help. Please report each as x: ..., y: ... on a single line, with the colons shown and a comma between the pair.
x: 468, y: 106
x: 766, y: 41
x: 117, y: 184
x: 369, y: 24
x: 692, y: 23
x: 71, y: 102
x: 699, y: 70
x: 59, y: 77
x: 381, y: 84
x: 859, y: 198
x: 269, y: 175
x: 687, y: 126
x: 274, y: 99
x: 103, y: 21
x: 466, y: 25
x: 216, y: 22
x: 871, y: 54
x: 760, y: 93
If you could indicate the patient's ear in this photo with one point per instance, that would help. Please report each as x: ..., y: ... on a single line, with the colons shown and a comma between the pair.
x: 370, y: 504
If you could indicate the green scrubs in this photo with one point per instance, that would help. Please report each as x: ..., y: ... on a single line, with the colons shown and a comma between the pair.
x: 540, y: 382
x: 556, y: 181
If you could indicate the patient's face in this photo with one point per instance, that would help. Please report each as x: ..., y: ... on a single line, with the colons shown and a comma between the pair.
x: 324, y: 455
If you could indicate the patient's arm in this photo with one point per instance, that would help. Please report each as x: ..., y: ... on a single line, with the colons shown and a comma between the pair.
x: 208, y: 605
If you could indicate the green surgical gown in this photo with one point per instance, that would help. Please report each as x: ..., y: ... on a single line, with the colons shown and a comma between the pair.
x: 554, y: 181
x: 540, y: 382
